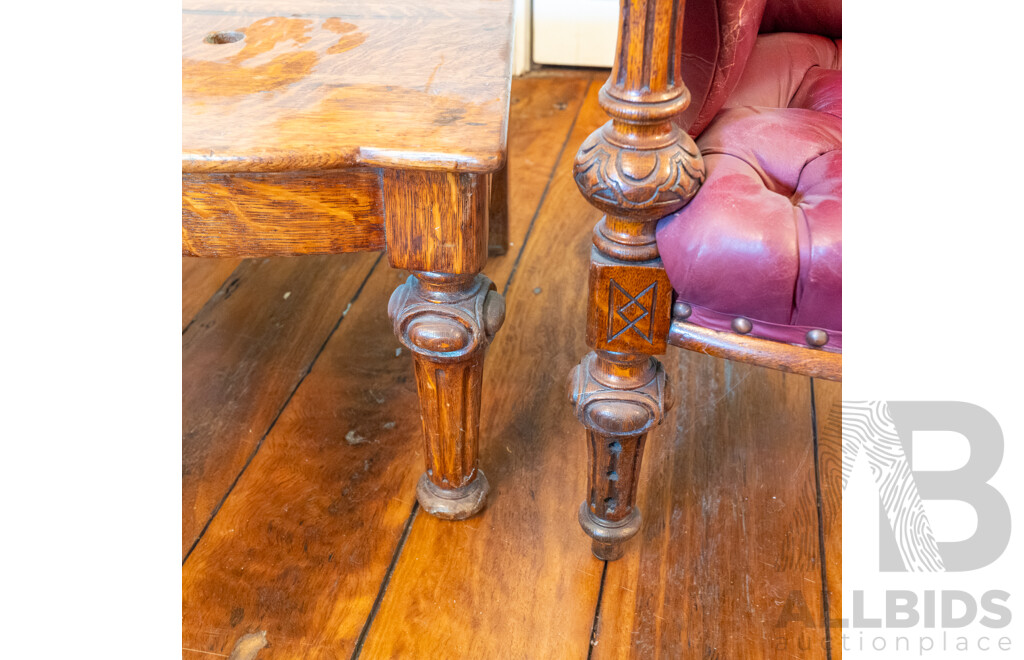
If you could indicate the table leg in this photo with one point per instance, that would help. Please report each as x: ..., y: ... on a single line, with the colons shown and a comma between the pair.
x: 447, y: 321
x: 446, y: 314
x: 497, y: 240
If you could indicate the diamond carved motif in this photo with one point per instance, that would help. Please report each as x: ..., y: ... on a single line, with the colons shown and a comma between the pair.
x: 626, y: 311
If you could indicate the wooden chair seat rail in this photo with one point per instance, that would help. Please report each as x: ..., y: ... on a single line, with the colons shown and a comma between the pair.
x: 801, y: 360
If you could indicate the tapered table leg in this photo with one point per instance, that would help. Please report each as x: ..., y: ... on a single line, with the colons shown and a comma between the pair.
x: 447, y: 321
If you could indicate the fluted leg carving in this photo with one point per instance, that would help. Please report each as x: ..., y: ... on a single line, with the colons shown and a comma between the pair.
x: 447, y: 321
x: 618, y: 397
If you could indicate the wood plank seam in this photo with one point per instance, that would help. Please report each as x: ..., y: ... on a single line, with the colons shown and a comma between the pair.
x: 597, y: 623
x: 302, y: 377
x: 219, y: 289
x: 597, y: 613
x: 357, y: 651
x: 821, y: 527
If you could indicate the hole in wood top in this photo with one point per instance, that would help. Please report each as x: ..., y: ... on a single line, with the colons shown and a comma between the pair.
x: 224, y: 37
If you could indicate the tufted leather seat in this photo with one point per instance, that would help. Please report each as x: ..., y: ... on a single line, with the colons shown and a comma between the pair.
x: 762, y: 239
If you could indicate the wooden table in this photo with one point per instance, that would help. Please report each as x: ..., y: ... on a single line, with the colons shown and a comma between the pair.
x: 312, y: 127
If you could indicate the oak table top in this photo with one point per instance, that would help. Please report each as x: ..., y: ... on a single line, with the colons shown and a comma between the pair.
x: 291, y: 85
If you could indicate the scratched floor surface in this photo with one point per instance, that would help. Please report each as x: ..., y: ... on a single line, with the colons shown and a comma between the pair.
x: 301, y: 448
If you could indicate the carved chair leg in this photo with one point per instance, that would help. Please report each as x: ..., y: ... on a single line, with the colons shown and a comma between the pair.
x: 447, y: 321
x: 618, y: 397
x: 637, y: 168
x: 497, y: 229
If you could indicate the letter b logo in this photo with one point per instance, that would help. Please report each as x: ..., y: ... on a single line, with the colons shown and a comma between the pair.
x: 883, y: 430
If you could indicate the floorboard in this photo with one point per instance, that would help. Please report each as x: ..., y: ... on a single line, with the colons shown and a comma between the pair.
x: 242, y: 357
x: 301, y: 546
x: 542, y: 111
x: 729, y: 546
x: 200, y: 279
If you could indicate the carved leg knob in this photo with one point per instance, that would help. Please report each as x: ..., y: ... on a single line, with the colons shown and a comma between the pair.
x: 618, y: 398
x: 447, y: 321
x: 493, y: 312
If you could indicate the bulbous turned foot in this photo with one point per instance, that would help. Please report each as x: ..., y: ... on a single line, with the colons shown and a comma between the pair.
x: 456, y: 503
x: 609, y: 537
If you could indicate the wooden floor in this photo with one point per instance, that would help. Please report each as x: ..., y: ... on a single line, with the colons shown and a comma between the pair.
x: 301, y: 449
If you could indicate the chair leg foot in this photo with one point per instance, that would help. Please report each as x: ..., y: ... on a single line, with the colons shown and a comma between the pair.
x: 609, y: 538
x: 607, y: 551
x: 618, y: 397
x: 455, y: 503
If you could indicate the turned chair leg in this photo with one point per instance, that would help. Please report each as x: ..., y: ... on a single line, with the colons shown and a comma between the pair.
x: 618, y: 397
x: 637, y: 168
x: 447, y: 321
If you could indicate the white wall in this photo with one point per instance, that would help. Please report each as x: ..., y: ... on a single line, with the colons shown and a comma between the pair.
x: 575, y: 32
x: 521, y: 40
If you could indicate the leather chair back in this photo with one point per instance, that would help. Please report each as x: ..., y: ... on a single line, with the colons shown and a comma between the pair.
x: 718, y: 36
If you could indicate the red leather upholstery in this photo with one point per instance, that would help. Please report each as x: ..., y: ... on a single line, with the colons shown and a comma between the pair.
x: 762, y: 239
x: 718, y: 36
x: 809, y: 16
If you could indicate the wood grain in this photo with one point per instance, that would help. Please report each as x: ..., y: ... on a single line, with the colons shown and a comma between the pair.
x: 636, y: 168
x: 447, y: 322
x: 200, y: 279
x: 242, y: 357
x: 317, y: 85
x: 517, y: 581
x: 640, y: 166
x: 617, y: 413
x: 436, y: 221
x: 754, y: 350
x: 497, y: 213
x: 828, y: 411
x: 303, y: 543
x: 630, y: 305
x: 357, y: 411
x: 730, y: 539
x: 261, y: 215
x: 301, y: 548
